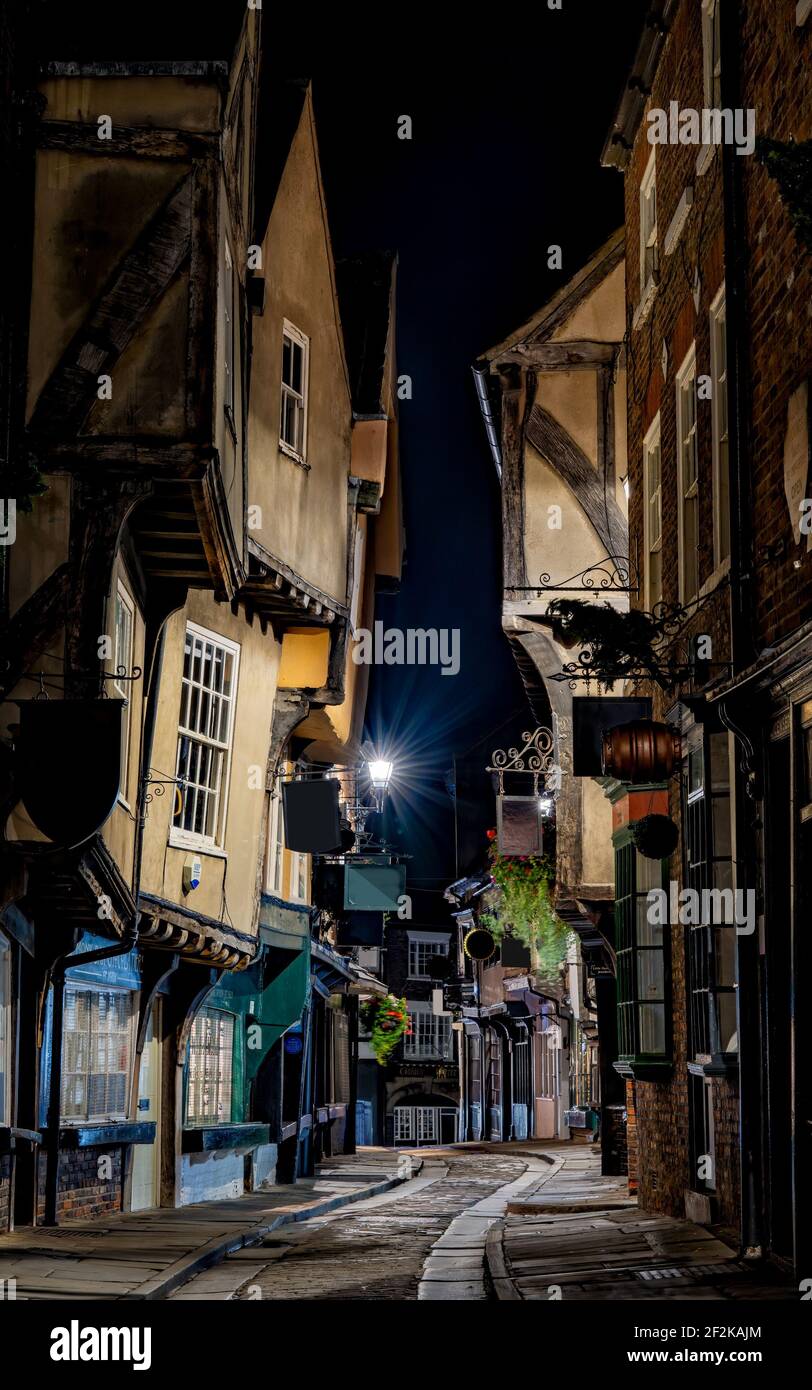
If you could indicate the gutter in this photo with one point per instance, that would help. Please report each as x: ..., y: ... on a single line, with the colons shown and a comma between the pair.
x: 480, y: 371
x: 629, y: 113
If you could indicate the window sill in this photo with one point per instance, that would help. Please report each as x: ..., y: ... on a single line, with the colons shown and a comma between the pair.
x: 639, y: 1069
x: 10, y: 1137
x: 716, y: 578
x: 179, y: 839
x: 724, y: 1064
x: 86, y: 1134
x: 293, y: 456
x: 643, y: 309
x: 217, y: 1138
x: 704, y: 159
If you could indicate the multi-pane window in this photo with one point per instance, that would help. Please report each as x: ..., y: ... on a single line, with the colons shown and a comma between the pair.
x: 299, y: 877
x: 641, y: 957
x: 276, y: 842
x: 648, y: 225
x: 210, y: 1068
x: 123, y: 663
x: 228, y: 332
x: 97, y: 1051
x: 421, y: 948
x: 653, y: 516
x: 688, y: 479
x: 293, y: 421
x: 711, y: 53
x: 205, y: 733
x: 721, y: 463
x: 549, y: 1071
x: 5, y: 1031
x: 708, y: 869
x: 430, y: 1034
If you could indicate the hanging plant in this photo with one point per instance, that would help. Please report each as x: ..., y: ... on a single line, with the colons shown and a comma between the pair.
x: 655, y: 837
x: 387, y: 1020
x: 614, y: 644
x: 525, y: 910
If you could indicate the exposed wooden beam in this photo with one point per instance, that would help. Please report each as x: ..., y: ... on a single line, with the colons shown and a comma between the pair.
x: 138, y: 282
x: 587, y: 484
x: 139, y: 142
x: 565, y: 356
x: 513, y: 553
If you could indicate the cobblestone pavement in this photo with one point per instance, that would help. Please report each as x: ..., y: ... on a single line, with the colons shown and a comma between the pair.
x: 373, y: 1250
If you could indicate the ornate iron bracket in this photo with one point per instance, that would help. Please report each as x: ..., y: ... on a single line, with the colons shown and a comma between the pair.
x: 535, y: 758
x: 614, y: 573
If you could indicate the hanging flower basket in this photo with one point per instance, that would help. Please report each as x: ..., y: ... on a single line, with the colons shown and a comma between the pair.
x: 525, y: 911
x: 656, y: 837
x: 388, y: 1020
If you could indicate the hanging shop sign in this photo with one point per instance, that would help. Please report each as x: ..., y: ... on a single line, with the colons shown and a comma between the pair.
x: 67, y: 765
x: 479, y: 944
x: 641, y: 751
x: 312, y: 821
x: 373, y: 887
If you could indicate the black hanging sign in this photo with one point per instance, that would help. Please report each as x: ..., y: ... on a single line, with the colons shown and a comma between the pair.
x: 67, y: 759
x: 312, y: 823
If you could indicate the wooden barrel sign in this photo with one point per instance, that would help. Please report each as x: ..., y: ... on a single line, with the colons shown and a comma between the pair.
x: 642, y: 751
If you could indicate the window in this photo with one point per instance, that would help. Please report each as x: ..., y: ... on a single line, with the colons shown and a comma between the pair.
x: 123, y: 662
x: 806, y: 746
x: 648, y: 225
x: 687, y: 479
x: 97, y: 1049
x: 721, y: 464
x: 276, y: 842
x: 711, y: 53
x: 420, y: 949
x: 299, y: 877
x: 643, y: 1034
x: 430, y: 1036
x: 205, y: 733
x: 708, y: 866
x: 228, y: 334
x: 293, y: 422
x: 210, y: 1068
x: 653, y: 515
x: 5, y: 1032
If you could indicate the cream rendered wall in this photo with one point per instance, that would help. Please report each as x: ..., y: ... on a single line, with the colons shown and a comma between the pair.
x: 559, y: 553
x: 601, y: 317
x: 118, y: 832
x: 228, y: 888
x: 304, y: 510
x: 572, y: 398
x: 597, y: 854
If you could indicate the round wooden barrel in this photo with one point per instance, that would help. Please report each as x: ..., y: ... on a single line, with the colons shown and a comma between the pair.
x: 642, y: 751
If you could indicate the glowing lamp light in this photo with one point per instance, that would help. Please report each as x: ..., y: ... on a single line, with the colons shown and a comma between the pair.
x: 546, y: 804
x: 380, y: 772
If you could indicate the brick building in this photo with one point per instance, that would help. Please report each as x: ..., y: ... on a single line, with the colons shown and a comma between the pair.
x: 719, y: 343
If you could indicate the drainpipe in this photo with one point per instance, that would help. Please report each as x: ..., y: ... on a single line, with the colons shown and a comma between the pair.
x: 480, y: 371
x: 742, y: 645
x: 119, y: 948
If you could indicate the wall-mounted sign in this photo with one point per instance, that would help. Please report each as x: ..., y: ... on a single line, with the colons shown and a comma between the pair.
x: 373, y: 887
x: 312, y: 822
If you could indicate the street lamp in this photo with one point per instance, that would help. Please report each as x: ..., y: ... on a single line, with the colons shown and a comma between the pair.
x: 380, y: 773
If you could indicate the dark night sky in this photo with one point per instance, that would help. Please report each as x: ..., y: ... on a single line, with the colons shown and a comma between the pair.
x: 504, y: 161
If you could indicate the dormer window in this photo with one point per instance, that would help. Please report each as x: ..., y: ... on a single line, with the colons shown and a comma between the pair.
x: 293, y: 421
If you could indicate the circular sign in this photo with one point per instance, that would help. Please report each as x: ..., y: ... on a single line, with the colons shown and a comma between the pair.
x: 293, y: 1044
x: 479, y: 944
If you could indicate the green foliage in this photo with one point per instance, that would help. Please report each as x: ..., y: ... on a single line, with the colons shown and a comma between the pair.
x: 525, y: 910
x: 616, y: 642
x: 387, y: 1019
x: 790, y: 164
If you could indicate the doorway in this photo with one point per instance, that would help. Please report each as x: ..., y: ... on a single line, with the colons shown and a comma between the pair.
x: 145, y: 1191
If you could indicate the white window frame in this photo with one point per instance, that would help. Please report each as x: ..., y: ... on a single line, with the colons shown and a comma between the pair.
x: 229, y: 393
x: 651, y: 443
x: 720, y: 422
x: 415, y: 1046
x: 6, y: 1021
x: 275, y: 854
x: 289, y: 330
x: 299, y: 865
x: 648, y: 226
x: 711, y: 53
x: 686, y: 380
x: 123, y: 597
x: 431, y: 943
x: 189, y: 839
x: 100, y: 1116
x: 199, y: 1120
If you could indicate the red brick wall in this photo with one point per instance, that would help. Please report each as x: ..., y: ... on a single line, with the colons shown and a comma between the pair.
x: 5, y: 1192
x: 82, y: 1193
x: 631, y: 1137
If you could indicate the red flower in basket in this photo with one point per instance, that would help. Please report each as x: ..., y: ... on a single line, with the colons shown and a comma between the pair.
x: 491, y: 834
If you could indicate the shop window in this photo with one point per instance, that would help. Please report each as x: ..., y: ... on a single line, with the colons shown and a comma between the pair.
x: 97, y: 1051
x: 643, y: 963
x: 209, y: 1093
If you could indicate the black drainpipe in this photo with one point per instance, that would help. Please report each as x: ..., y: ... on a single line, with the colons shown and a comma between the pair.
x: 120, y: 948
x: 742, y: 644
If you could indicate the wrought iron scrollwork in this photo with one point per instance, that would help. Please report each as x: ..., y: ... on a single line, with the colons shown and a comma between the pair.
x: 536, y: 757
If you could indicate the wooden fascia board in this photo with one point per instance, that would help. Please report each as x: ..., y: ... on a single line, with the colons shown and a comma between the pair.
x: 136, y: 142
x: 584, y: 354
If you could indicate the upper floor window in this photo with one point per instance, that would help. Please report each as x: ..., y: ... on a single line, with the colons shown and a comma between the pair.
x: 228, y: 333
x: 97, y: 1051
x: 721, y: 463
x: 421, y: 948
x: 210, y: 1075
x: 648, y: 225
x: 275, y: 854
x: 653, y: 514
x: 123, y: 663
x: 293, y: 421
x: 430, y: 1036
x: 205, y: 736
x: 687, y: 479
x: 711, y: 52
